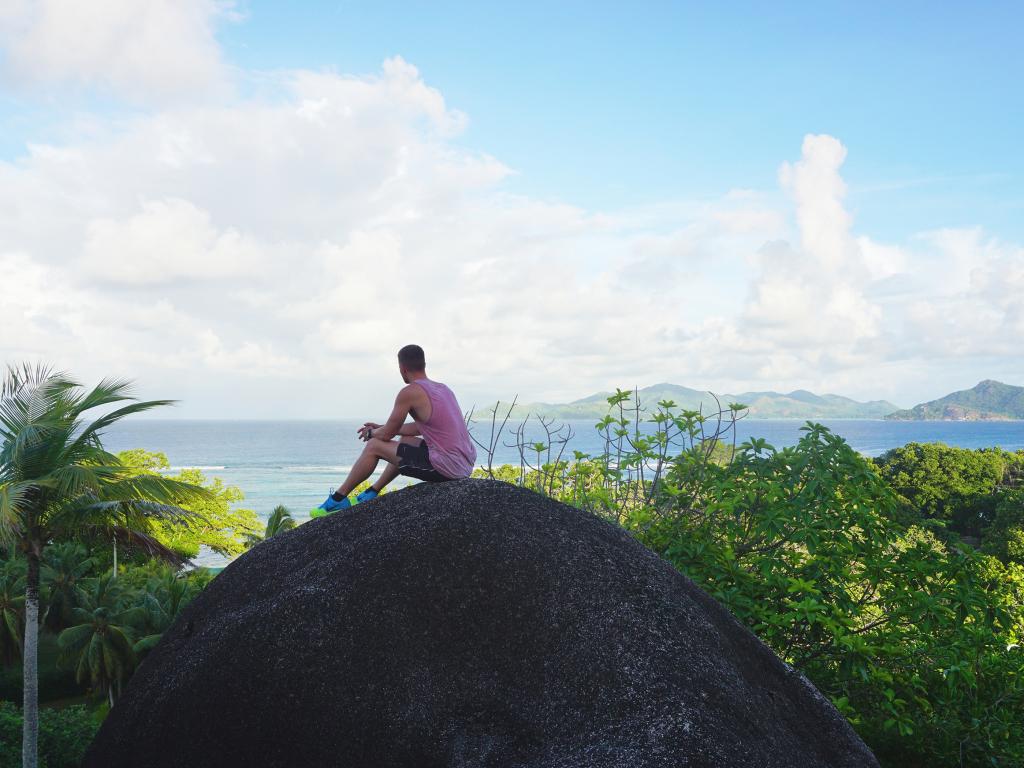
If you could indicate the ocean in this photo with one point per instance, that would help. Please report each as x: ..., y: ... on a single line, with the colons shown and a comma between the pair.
x: 296, y: 463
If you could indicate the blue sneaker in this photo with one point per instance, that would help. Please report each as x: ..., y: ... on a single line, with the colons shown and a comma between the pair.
x: 330, y: 505
x: 366, y: 495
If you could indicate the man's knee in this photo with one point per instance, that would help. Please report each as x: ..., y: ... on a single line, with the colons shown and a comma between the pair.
x: 381, y: 448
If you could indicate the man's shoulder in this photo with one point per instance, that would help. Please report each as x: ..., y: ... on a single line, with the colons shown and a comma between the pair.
x: 411, y: 391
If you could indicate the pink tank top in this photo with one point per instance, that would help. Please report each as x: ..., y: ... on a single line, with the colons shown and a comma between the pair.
x: 451, y: 448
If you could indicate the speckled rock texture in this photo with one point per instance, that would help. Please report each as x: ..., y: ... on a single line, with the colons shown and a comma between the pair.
x: 469, y: 623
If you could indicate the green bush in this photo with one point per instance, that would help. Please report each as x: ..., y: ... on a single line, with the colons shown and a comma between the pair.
x: 151, y: 594
x: 915, y: 641
x: 64, y: 735
x: 217, y: 522
x: 854, y: 572
x: 972, y: 493
x: 55, y: 682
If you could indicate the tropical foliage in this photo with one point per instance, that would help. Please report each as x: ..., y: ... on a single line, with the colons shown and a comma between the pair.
x: 857, y: 576
x: 896, y: 585
x: 12, y: 610
x: 916, y: 641
x: 63, y: 570
x: 57, y: 483
x: 64, y: 735
x: 217, y: 522
x: 110, y: 625
x: 280, y: 520
x: 977, y: 494
x: 99, y: 645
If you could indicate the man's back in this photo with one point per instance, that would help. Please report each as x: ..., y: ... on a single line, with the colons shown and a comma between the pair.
x: 451, y: 448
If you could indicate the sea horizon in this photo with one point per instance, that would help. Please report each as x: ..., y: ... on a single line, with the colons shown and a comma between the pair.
x: 295, y: 462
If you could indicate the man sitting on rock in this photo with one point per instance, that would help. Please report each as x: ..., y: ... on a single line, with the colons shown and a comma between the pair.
x: 435, y: 446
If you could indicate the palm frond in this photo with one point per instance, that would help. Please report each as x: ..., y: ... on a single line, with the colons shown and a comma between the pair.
x: 100, y: 521
x: 72, y: 480
x: 17, y: 375
x: 133, y: 501
x: 92, y: 454
x: 56, y: 479
x: 25, y: 453
x: 53, y: 390
x: 137, y: 539
x: 13, y: 500
x: 75, y: 637
x: 133, y: 616
x: 13, y: 624
x: 88, y: 664
x: 280, y: 520
x: 146, y: 644
x: 36, y: 428
x: 157, y: 488
x: 26, y: 377
x: 106, y: 392
x: 107, y: 419
x: 31, y: 398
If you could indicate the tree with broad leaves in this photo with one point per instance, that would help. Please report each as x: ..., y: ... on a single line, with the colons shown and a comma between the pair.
x: 57, y: 483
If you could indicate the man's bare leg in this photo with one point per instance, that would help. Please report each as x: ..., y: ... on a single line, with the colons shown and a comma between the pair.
x: 391, y: 470
x: 390, y: 473
x: 374, y: 451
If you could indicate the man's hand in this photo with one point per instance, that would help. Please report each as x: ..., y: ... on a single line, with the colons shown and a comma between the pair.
x: 366, y: 431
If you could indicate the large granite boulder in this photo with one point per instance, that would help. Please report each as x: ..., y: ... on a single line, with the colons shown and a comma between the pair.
x: 470, y: 623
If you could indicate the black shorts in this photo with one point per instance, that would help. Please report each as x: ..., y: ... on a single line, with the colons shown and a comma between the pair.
x: 414, y: 461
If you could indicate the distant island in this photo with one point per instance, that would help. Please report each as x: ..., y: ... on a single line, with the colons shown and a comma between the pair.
x: 799, y: 404
x: 988, y: 401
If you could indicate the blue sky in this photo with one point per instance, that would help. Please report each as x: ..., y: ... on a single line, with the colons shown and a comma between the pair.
x: 611, y: 104
x: 553, y: 198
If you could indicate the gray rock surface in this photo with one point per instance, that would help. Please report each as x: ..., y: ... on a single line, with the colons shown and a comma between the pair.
x: 465, y: 624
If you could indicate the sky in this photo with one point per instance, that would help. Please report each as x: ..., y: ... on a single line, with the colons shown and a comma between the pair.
x: 251, y: 206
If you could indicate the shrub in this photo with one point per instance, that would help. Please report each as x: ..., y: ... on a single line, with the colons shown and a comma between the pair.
x: 64, y: 735
x: 916, y: 641
x: 855, y: 575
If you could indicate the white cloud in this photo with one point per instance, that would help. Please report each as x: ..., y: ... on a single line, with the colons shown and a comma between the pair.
x: 818, y: 191
x: 812, y: 297
x: 142, y: 50
x: 275, y: 252
x: 975, y: 308
x: 169, y: 239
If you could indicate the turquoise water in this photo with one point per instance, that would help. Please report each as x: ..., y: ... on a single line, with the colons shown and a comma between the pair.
x: 296, y: 463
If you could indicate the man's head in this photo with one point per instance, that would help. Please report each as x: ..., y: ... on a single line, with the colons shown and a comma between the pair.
x: 411, y: 360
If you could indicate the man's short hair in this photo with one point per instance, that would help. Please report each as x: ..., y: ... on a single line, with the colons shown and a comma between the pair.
x: 411, y: 356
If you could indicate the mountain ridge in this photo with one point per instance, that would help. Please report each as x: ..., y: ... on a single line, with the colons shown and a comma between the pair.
x: 988, y: 400
x: 798, y: 404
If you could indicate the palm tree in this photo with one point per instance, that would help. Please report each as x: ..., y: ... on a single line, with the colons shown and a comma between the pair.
x: 100, y: 645
x: 166, y: 595
x: 280, y: 520
x: 12, y: 610
x: 57, y: 483
x: 63, y: 568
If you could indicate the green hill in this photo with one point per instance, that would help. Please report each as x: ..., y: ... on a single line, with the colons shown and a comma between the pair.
x: 988, y: 401
x: 799, y: 404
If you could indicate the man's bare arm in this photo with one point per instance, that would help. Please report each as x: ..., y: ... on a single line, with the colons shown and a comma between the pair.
x: 409, y: 429
x: 393, y: 426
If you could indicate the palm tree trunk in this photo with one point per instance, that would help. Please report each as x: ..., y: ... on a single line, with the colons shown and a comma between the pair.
x: 115, y: 557
x: 30, y: 668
